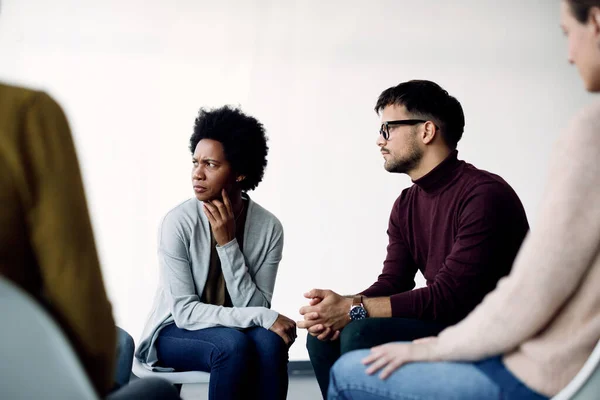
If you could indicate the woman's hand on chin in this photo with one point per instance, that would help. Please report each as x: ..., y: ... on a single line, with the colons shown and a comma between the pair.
x: 221, y: 218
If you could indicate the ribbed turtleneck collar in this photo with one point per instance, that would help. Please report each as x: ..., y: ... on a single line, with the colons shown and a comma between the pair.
x: 441, y: 175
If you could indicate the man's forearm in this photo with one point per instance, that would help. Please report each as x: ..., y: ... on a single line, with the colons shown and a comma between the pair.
x: 378, y: 307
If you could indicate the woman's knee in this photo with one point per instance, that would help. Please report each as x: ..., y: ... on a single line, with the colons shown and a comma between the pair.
x: 235, y: 346
x: 125, y: 342
x: 350, y: 363
x: 268, y: 344
x: 348, y: 368
x: 124, y: 362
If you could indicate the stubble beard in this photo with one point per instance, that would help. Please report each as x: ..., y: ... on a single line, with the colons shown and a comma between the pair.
x: 405, y: 164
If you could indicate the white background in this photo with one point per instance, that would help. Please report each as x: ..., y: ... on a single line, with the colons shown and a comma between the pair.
x: 131, y: 75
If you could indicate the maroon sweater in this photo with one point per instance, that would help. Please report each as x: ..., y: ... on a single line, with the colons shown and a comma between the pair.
x: 462, y: 228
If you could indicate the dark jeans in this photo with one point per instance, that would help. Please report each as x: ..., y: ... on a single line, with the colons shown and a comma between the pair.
x: 243, y: 364
x: 364, y: 334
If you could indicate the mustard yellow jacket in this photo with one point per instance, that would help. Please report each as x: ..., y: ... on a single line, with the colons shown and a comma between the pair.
x: 46, y: 240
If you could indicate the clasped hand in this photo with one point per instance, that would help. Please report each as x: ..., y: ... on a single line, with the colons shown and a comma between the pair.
x: 326, y: 314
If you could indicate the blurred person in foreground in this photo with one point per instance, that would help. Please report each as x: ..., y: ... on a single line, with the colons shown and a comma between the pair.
x: 47, y: 245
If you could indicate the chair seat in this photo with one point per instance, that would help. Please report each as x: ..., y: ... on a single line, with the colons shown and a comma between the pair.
x: 174, y: 377
x: 586, y: 384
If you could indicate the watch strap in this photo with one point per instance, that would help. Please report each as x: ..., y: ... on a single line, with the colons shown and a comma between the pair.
x: 357, y: 300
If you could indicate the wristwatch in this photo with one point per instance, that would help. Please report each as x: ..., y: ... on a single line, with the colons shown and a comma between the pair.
x: 357, y: 309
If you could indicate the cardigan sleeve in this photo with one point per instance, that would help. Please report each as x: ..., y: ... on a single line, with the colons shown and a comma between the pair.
x: 245, y: 289
x: 183, y: 299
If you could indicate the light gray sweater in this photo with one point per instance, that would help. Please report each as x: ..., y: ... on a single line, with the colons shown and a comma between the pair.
x: 545, y: 316
x: 184, y: 246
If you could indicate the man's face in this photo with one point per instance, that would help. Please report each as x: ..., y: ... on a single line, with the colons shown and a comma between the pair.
x: 401, y: 150
x: 211, y: 171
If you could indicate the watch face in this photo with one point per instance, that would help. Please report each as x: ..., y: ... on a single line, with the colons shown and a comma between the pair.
x: 357, y: 313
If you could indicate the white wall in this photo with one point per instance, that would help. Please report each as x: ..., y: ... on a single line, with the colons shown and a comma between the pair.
x: 132, y: 74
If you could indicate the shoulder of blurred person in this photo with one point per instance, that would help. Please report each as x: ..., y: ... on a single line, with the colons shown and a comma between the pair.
x: 12, y: 93
x: 587, y: 122
x: 14, y: 101
x: 580, y: 141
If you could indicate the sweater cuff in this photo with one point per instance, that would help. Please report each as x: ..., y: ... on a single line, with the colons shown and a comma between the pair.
x: 403, y: 305
x: 227, y: 246
x: 268, y: 319
x: 231, y: 254
x: 372, y: 292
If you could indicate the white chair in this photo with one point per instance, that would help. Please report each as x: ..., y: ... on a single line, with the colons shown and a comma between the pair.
x: 37, y: 360
x: 176, y: 378
x: 586, y: 384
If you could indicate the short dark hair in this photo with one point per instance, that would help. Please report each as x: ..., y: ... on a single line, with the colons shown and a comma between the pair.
x: 581, y: 8
x: 427, y: 100
x: 242, y: 137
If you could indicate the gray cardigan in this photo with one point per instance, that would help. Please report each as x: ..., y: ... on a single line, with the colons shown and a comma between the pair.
x: 184, y: 244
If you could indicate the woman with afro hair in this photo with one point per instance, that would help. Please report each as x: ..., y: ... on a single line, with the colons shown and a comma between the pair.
x: 218, y: 257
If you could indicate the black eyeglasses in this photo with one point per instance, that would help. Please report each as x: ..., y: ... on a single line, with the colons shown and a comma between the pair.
x: 385, y: 127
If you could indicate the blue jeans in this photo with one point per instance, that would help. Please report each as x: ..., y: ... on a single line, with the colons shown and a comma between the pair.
x: 246, y: 364
x: 125, y: 349
x: 148, y: 389
x: 488, y: 379
x: 364, y: 334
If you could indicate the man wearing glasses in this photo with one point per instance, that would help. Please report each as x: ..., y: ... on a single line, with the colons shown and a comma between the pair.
x: 458, y: 225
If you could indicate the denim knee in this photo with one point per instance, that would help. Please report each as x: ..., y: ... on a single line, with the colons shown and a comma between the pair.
x: 125, y: 349
x: 125, y: 342
x: 269, y: 344
x: 347, y: 371
x: 236, y: 349
x: 350, y: 364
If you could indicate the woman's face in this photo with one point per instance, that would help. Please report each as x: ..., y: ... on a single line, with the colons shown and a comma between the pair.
x: 211, y: 172
x: 584, y: 45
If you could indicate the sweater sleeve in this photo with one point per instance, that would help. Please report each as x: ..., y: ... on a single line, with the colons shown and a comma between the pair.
x: 553, y: 259
x: 399, y: 268
x: 491, y: 225
x: 62, y: 238
x: 184, y: 302
x: 246, y: 290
